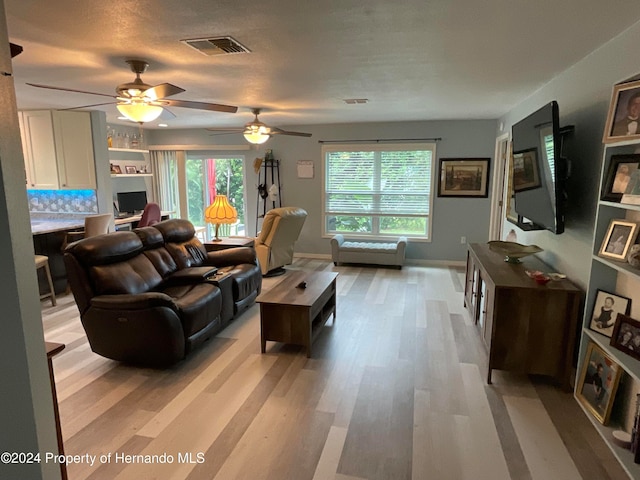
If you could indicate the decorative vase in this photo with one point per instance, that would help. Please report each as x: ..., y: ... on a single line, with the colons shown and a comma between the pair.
x: 633, y: 257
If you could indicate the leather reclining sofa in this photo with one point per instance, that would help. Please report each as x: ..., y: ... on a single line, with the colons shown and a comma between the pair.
x: 150, y: 296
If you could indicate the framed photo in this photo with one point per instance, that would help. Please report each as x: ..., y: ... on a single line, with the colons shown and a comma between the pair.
x: 130, y: 169
x: 598, y: 383
x: 605, y: 310
x: 621, y: 170
x: 626, y: 336
x: 632, y: 193
x: 464, y: 177
x: 623, y: 122
x: 116, y: 169
x: 525, y: 170
x: 618, y: 239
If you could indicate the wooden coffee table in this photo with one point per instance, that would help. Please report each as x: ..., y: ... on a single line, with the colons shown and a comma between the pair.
x: 295, y: 315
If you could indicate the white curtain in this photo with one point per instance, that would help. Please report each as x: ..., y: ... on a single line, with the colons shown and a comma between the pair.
x: 164, y: 165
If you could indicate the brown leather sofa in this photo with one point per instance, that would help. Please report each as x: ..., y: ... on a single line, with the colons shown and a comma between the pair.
x: 149, y: 297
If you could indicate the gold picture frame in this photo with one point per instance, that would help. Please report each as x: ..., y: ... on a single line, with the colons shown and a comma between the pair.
x: 623, y: 119
x: 598, y: 383
x: 620, y: 235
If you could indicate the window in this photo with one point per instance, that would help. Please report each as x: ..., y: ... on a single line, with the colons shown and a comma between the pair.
x: 207, y: 176
x: 378, y: 190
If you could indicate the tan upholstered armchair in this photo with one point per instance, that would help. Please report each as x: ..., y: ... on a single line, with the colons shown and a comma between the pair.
x: 274, y: 244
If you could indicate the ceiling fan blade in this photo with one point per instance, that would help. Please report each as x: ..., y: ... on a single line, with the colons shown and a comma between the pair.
x: 88, y: 106
x: 278, y: 131
x: 162, y: 91
x: 226, y: 129
x: 214, y: 107
x: 167, y: 114
x: 69, y: 90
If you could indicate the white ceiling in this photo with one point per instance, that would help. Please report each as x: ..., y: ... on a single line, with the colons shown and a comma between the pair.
x: 413, y: 59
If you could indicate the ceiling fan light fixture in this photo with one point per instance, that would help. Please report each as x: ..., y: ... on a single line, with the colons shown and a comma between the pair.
x: 140, y: 112
x: 257, y: 133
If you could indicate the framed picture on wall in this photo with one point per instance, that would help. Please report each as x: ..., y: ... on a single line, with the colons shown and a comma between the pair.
x: 463, y: 177
x: 598, y: 383
x: 623, y: 120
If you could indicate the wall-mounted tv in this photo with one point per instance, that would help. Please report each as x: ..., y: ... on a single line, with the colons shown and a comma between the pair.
x: 539, y: 170
x: 132, y: 202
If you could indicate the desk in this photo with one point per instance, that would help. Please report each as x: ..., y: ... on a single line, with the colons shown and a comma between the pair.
x: 52, y: 350
x: 132, y: 221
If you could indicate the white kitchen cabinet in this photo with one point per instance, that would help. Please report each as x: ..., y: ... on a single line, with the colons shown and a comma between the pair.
x: 38, y: 145
x: 58, y: 149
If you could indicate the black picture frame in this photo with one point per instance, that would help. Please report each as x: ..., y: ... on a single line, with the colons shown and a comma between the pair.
x: 617, y: 180
x: 464, y: 177
x: 626, y: 335
x: 618, y: 304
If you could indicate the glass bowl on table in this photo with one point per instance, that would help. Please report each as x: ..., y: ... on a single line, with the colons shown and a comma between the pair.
x: 513, y: 251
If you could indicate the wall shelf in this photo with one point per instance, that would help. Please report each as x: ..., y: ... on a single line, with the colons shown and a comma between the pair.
x: 132, y: 150
x: 120, y: 175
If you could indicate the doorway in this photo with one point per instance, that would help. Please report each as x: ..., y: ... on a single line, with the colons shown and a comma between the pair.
x: 498, y: 193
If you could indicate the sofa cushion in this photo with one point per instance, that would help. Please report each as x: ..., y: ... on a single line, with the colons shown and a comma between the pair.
x: 136, y: 275
x: 247, y: 279
x: 198, y: 305
x: 105, y: 249
x: 176, y: 230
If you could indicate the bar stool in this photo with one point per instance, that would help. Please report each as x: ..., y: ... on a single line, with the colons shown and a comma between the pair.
x: 42, y: 261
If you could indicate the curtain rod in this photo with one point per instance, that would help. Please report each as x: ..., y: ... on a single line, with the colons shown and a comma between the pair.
x: 378, y: 140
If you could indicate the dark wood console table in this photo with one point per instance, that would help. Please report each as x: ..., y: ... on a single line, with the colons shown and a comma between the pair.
x: 526, y: 327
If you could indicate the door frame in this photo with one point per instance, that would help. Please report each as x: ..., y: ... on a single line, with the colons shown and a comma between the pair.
x: 498, y: 215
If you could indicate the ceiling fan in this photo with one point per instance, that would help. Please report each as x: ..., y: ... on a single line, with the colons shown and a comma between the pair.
x: 142, y: 102
x: 257, y: 132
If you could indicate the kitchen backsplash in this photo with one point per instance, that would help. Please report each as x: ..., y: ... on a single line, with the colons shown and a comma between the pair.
x: 62, y: 201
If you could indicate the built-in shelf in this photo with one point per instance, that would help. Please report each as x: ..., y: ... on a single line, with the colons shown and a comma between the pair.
x: 133, y: 150
x: 114, y: 175
x: 623, y: 267
x: 624, y: 455
x: 623, y: 206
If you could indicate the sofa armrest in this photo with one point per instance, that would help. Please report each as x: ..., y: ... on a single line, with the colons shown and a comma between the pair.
x: 138, y: 301
x: 190, y: 275
x: 231, y: 256
x: 336, y: 241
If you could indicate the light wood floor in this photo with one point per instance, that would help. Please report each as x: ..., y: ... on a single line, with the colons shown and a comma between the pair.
x: 394, y: 390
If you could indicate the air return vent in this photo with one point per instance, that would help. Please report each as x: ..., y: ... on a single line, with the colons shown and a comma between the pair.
x: 216, y: 45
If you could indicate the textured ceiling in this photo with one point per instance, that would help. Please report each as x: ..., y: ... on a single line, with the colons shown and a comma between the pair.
x: 413, y: 59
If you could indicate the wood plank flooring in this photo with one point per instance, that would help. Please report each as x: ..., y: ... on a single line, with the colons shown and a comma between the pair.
x: 395, y: 390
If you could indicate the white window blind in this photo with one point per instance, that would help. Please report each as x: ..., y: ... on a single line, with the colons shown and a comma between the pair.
x: 378, y: 190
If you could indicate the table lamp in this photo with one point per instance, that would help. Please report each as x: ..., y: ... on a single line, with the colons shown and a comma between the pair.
x: 220, y: 212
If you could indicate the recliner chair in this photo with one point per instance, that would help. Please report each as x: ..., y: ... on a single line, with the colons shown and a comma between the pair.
x: 274, y: 244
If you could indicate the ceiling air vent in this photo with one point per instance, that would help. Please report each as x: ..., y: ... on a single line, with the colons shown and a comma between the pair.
x: 216, y: 45
x: 355, y: 101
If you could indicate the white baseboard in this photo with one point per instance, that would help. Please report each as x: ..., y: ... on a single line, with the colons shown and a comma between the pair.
x: 407, y: 261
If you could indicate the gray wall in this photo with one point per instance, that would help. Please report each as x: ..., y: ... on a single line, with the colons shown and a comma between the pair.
x: 26, y: 407
x: 583, y: 93
x: 452, y: 218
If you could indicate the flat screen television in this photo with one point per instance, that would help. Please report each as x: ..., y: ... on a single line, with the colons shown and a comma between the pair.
x: 539, y: 171
x: 131, y: 202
